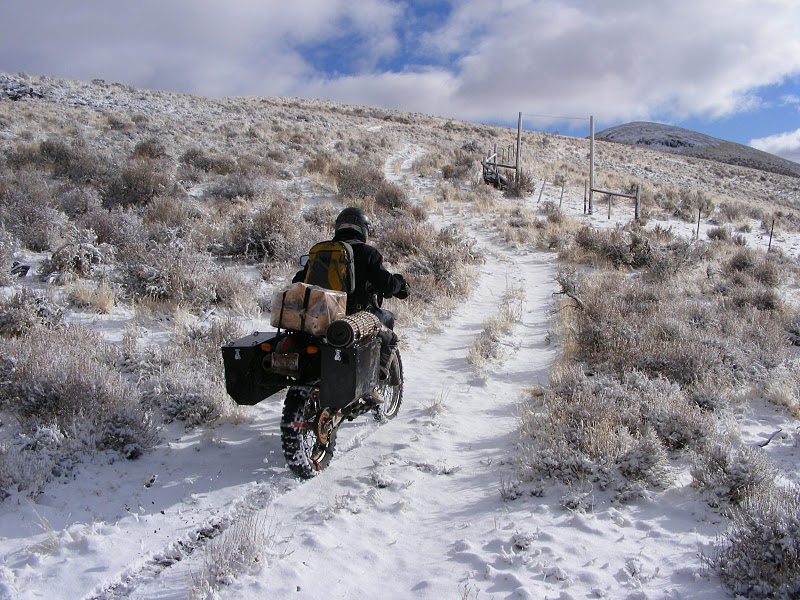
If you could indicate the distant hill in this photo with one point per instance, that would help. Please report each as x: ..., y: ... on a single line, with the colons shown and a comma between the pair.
x: 677, y: 140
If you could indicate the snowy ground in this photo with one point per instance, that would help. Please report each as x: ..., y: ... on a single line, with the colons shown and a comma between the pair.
x: 411, y: 509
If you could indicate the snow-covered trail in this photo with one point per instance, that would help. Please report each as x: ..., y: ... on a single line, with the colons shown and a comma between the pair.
x: 427, y: 483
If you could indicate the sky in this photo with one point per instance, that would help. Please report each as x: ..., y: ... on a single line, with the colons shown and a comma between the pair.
x: 726, y: 68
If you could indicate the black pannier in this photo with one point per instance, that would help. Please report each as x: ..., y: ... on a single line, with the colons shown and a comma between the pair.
x: 349, y: 373
x: 246, y: 380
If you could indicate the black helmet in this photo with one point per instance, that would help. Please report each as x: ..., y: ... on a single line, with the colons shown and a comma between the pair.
x: 353, y: 220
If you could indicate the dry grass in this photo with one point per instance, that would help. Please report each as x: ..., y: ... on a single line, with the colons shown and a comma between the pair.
x: 237, y: 549
x: 487, y: 344
x: 98, y: 297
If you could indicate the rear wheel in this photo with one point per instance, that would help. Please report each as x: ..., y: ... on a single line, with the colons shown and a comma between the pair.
x: 391, y: 389
x: 308, y: 436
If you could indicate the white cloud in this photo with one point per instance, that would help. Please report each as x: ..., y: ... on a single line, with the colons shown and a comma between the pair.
x: 198, y: 46
x: 622, y: 59
x: 786, y: 145
x: 618, y: 60
x: 791, y: 100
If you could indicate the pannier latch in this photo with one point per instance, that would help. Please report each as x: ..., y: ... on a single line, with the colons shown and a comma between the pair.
x: 338, y: 355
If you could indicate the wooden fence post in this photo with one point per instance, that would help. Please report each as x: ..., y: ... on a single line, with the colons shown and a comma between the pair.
x: 638, y: 205
x: 561, y: 199
x: 697, y: 234
x: 585, y: 195
x: 541, y: 191
x: 771, y: 230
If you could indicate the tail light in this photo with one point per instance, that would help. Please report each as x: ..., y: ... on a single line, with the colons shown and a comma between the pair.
x: 287, y: 345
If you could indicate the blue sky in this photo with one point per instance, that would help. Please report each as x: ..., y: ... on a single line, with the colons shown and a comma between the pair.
x: 727, y: 68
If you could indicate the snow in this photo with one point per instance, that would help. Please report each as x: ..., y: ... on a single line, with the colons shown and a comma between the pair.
x: 421, y: 507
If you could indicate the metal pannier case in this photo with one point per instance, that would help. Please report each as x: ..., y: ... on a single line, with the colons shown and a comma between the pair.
x: 349, y: 373
x: 246, y: 380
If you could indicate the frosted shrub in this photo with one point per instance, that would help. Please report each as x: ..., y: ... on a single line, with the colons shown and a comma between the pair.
x: 26, y: 310
x: 438, y: 264
x: 462, y: 166
x: 782, y: 387
x: 769, y: 273
x: 208, y: 163
x: 61, y: 380
x: 270, y: 231
x: 173, y: 211
x: 202, y: 340
x: 576, y: 434
x: 358, y: 181
x: 8, y: 247
x: 75, y: 259
x: 50, y: 385
x: 486, y: 344
x: 71, y: 160
x: 23, y: 468
x: 27, y: 210
x: 728, y: 474
x: 759, y: 554
x: 604, y: 430
x: 610, y: 245
x: 168, y: 273
x: 78, y: 200
x: 119, y: 228
x: 521, y: 186
x: 98, y: 297
x: 150, y: 148
x: 666, y: 408
x: 137, y: 184
x: 233, y: 290
x: 188, y: 392
x: 719, y: 234
x: 321, y: 216
x: 749, y: 294
x: 743, y: 261
x: 247, y: 186
x: 130, y: 430
x: 235, y: 551
x: 391, y: 196
x: 646, y: 460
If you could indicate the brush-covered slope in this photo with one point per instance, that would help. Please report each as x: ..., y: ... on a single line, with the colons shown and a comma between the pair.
x: 677, y: 140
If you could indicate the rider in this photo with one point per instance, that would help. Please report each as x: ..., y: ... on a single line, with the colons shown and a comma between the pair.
x: 372, y: 280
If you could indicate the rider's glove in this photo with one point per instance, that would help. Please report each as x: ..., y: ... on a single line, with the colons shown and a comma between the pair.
x: 404, y: 290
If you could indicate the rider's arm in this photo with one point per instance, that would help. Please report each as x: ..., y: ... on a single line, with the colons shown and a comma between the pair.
x: 300, y: 275
x: 383, y: 281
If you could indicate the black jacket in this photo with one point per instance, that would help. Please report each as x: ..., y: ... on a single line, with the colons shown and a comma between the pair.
x: 371, y: 277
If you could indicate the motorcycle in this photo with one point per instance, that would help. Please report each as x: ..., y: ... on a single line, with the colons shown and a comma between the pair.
x: 331, y: 378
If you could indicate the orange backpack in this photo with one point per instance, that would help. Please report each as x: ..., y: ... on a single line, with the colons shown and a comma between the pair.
x: 330, y: 266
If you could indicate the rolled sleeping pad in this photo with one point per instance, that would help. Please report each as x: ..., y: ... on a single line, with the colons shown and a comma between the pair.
x: 348, y: 331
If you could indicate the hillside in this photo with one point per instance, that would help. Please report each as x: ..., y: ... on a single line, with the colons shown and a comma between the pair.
x: 592, y: 407
x: 668, y: 138
x: 288, y: 130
